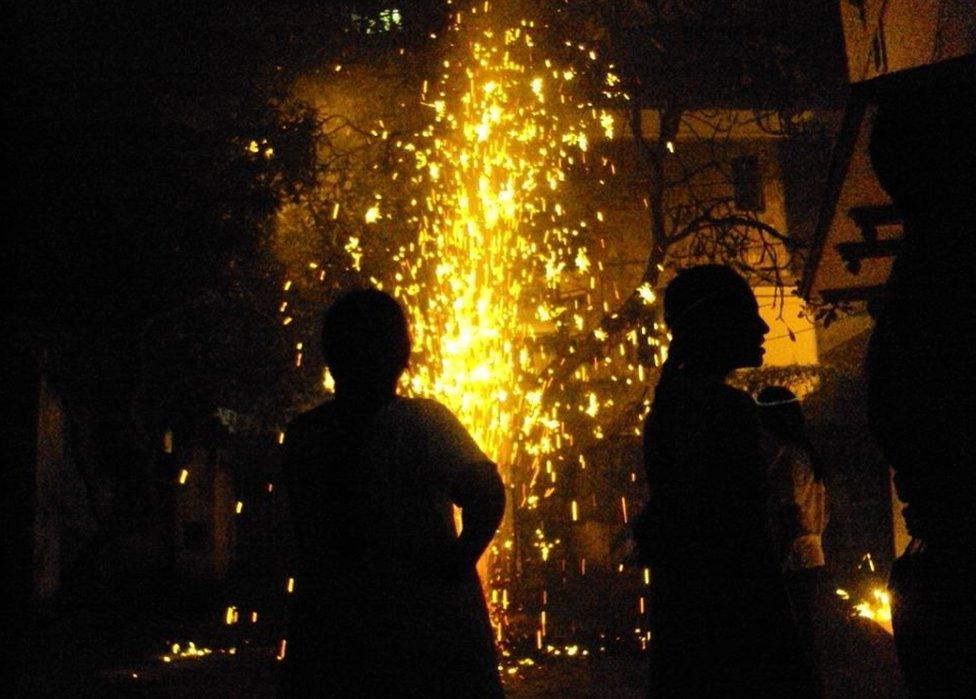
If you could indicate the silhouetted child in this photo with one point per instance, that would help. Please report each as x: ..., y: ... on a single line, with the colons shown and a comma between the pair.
x: 720, y: 619
x: 797, y: 503
x: 387, y: 599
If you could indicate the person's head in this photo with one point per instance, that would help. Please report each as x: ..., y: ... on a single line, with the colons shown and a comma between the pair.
x: 922, y: 150
x: 714, y: 320
x: 365, y: 340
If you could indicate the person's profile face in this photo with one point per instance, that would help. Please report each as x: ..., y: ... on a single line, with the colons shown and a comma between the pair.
x: 740, y: 331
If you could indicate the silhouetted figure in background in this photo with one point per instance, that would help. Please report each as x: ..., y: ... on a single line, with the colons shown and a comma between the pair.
x: 387, y: 601
x: 720, y: 618
x: 922, y: 380
x: 797, y: 505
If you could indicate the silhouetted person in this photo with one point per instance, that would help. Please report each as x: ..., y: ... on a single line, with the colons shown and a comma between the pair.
x: 797, y: 505
x: 387, y: 599
x: 719, y: 614
x: 922, y: 380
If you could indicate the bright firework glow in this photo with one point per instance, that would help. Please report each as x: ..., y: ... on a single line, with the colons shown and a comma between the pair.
x: 495, y: 241
x: 877, y: 606
x: 500, y: 258
x: 501, y: 245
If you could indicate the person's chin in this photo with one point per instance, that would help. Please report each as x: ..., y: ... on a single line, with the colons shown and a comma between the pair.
x: 756, y: 360
x: 749, y: 357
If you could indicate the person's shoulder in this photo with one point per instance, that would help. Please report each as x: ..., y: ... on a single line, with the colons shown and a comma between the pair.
x: 707, y: 400
x: 434, y: 418
x: 730, y: 399
x: 416, y: 413
x: 425, y: 408
x: 731, y: 407
x: 302, y: 435
x: 797, y: 457
x: 735, y: 395
x: 795, y: 451
x: 310, y: 418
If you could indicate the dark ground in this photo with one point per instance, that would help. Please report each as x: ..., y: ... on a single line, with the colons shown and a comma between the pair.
x: 250, y: 672
x: 106, y: 660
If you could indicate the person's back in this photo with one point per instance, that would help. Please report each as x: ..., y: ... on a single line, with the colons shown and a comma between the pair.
x: 797, y: 505
x: 387, y: 600
x: 797, y: 495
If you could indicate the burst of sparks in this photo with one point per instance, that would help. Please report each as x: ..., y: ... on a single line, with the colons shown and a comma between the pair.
x: 495, y: 159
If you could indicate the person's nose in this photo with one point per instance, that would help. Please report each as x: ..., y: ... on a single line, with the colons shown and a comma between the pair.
x: 763, y: 327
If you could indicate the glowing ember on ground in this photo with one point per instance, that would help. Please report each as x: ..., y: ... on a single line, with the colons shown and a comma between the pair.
x: 181, y: 652
x: 878, y: 611
x: 877, y: 607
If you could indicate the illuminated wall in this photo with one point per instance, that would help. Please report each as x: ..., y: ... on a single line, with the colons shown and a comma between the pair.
x: 884, y: 36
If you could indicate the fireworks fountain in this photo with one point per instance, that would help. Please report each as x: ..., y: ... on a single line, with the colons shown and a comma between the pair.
x: 501, y: 262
